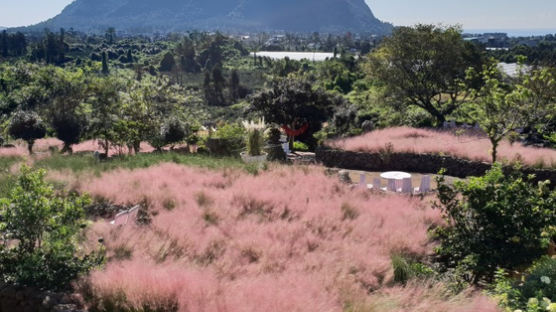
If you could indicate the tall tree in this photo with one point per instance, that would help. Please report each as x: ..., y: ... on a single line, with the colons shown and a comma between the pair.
x: 105, y: 69
x: 496, y: 110
x: 425, y: 66
x: 235, y: 87
x: 294, y: 104
x: 4, y: 44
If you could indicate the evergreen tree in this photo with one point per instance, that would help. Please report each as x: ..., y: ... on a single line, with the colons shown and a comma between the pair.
x: 105, y: 69
x: 219, y: 83
x: 110, y: 35
x: 235, y: 88
x: 129, y: 56
x: 168, y: 62
x: 4, y: 44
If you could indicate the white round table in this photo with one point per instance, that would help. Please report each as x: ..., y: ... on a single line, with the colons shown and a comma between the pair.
x: 395, y: 179
x: 395, y: 175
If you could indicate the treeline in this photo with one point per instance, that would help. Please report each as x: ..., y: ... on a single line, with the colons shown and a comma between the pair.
x: 12, y: 45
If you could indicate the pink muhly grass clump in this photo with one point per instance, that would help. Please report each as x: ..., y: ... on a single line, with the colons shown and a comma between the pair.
x: 411, y: 140
x: 288, y: 239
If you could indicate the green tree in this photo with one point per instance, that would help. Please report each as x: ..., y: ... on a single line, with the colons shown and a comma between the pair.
x: 43, y: 227
x: 110, y: 35
x: 28, y: 126
x: 105, y: 101
x: 495, y: 221
x: 496, y: 109
x: 425, y: 66
x: 235, y: 87
x: 294, y: 103
x: 105, y: 69
x: 167, y: 63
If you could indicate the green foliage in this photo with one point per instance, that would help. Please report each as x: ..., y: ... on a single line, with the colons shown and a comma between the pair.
x: 300, y: 146
x: 69, y: 129
x: 274, y: 149
x: 255, y: 141
x: 536, y: 292
x: 406, y: 269
x: 39, y: 229
x: 425, y: 66
x: 495, y: 109
x: 27, y: 126
x: 293, y: 102
x: 540, y: 281
x: 497, y: 220
x: 87, y: 163
x: 167, y: 63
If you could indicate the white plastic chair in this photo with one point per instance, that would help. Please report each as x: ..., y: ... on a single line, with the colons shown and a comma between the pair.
x: 425, y: 185
x: 375, y: 186
x: 362, y: 180
x: 391, y: 185
x: 286, y: 147
x: 407, y: 186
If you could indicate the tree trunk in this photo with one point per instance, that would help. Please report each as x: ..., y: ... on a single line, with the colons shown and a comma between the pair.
x: 137, y: 147
x: 494, y: 151
x: 30, y: 144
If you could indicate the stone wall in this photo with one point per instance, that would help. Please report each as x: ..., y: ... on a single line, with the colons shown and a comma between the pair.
x: 422, y: 163
x: 21, y: 299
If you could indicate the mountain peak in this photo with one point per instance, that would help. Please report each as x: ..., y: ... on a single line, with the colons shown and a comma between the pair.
x: 227, y: 15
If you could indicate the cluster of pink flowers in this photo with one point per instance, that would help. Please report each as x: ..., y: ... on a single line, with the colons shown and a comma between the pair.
x: 288, y: 239
x: 404, y: 139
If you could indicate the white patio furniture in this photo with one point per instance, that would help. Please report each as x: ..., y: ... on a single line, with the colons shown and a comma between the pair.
x: 376, y: 185
x: 407, y: 186
x: 286, y: 147
x: 362, y: 180
x: 394, y: 179
x: 425, y: 185
x: 124, y: 217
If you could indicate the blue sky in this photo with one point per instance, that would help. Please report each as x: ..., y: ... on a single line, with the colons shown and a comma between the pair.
x: 472, y: 14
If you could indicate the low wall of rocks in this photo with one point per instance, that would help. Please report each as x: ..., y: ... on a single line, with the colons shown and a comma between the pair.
x: 422, y: 163
x: 21, y: 299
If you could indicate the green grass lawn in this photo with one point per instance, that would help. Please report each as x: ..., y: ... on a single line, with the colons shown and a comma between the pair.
x: 87, y: 163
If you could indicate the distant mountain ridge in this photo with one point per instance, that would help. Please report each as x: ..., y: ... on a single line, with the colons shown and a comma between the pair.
x: 226, y: 15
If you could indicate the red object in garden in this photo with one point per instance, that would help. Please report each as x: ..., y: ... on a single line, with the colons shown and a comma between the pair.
x: 295, y: 132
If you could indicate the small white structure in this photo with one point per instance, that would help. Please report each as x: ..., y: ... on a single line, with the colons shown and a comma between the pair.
x: 425, y: 185
x: 362, y: 180
x: 407, y: 186
x: 124, y: 217
x: 376, y: 185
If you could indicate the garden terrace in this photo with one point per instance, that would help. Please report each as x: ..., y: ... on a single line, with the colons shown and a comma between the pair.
x: 442, y: 143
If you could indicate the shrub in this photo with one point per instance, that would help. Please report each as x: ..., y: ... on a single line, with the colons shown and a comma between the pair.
x: 40, y: 229
x: 255, y: 137
x: 68, y: 129
x: 274, y: 148
x: 175, y: 131
x: 27, y: 126
x: 541, y: 280
x: 494, y: 221
x: 300, y: 146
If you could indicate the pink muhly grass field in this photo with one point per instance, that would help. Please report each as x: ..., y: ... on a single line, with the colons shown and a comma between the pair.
x: 411, y: 140
x: 288, y: 239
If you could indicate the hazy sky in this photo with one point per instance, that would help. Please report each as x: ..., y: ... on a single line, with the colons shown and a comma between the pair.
x: 472, y: 14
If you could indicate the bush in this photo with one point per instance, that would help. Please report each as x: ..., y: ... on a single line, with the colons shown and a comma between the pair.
x: 27, y: 126
x: 494, y: 221
x: 175, y: 131
x: 41, y: 227
x: 68, y: 129
x: 541, y: 280
x: 300, y: 146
